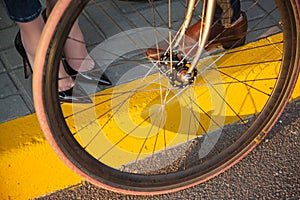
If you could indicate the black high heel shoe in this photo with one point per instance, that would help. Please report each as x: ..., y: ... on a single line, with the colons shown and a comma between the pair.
x: 69, y: 95
x: 21, y: 50
x: 91, y: 75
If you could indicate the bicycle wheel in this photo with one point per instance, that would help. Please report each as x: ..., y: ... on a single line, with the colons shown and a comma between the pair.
x: 149, y: 132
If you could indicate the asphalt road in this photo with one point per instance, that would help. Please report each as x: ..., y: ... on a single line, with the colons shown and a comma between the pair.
x: 271, y: 171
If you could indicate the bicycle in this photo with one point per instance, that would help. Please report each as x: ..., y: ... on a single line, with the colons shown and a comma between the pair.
x: 162, y: 128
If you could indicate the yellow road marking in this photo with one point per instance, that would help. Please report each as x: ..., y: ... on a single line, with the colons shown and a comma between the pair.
x: 28, y: 166
x: 152, y: 126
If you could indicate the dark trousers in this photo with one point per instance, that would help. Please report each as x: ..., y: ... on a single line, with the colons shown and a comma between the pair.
x: 227, y: 11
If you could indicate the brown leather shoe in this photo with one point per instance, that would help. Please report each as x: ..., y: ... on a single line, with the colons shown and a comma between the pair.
x: 231, y: 37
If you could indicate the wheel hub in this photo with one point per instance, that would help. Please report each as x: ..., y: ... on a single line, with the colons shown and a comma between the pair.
x: 176, y: 69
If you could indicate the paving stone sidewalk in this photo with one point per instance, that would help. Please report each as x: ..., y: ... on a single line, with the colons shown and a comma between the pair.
x: 15, y: 91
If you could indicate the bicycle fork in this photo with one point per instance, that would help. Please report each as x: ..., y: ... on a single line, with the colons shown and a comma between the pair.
x: 180, y: 71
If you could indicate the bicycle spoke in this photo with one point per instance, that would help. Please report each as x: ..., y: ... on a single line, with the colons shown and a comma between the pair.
x: 162, y: 123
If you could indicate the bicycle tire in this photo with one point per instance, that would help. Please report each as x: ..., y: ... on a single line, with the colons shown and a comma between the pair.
x: 72, y: 148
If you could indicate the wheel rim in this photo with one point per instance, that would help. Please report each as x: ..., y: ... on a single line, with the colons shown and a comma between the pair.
x: 172, y: 99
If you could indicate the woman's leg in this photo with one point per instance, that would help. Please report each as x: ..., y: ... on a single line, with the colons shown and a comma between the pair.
x: 30, y: 34
x: 27, y: 14
x: 75, y: 46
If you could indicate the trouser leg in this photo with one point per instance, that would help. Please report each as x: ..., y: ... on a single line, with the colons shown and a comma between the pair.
x: 227, y: 11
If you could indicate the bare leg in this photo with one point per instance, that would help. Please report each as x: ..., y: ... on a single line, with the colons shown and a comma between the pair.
x: 30, y: 34
x: 76, y: 52
x: 75, y: 49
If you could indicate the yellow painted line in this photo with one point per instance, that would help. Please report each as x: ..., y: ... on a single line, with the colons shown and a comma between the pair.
x: 29, y: 167
x: 151, y: 132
